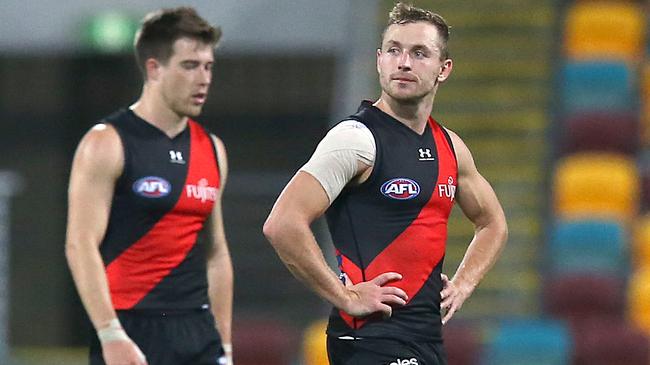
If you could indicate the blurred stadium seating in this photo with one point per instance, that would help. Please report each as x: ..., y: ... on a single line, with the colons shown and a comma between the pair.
x: 597, y: 86
x: 314, y: 347
x: 595, y: 246
x: 639, y: 299
x: 463, y: 343
x: 640, y: 252
x: 596, y: 184
x: 600, y: 186
x: 606, y: 132
x: 579, y: 297
x: 535, y: 341
x: 605, y: 30
x: 262, y: 340
x: 609, y: 342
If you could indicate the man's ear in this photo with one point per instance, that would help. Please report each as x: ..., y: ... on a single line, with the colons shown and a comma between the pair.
x: 152, y: 67
x: 445, y: 70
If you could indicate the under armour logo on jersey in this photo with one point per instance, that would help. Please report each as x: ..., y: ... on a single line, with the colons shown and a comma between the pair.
x: 176, y: 157
x: 425, y: 154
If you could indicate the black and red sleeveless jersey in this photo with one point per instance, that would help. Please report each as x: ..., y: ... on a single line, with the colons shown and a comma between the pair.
x: 397, y: 221
x: 161, y: 201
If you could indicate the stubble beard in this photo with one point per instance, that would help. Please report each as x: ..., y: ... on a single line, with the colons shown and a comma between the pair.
x: 194, y: 112
x: 407, y: 99
x: 188, y: 110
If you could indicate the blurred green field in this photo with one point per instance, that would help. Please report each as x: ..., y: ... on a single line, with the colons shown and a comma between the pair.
x: 49, y: 356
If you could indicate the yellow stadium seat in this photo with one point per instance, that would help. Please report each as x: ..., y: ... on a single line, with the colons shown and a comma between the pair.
x: 639, y: 300
x: 641, y: 244
x: 596, y: 185
x: 315, y: 344
x: 605, y: 30
x: 645, y: 101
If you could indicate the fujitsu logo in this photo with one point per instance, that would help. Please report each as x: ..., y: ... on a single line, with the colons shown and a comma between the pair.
x: 411, y: 361
x: 447, y: 190
x: 201, y: 191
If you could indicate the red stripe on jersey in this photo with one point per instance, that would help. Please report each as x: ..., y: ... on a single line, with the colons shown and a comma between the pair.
x: 144, y: 264
x: 419, y: 248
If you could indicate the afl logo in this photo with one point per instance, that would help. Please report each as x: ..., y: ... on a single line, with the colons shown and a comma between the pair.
x: 400, y: 188
x: 152, y: 187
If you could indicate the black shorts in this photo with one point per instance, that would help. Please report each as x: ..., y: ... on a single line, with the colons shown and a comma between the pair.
x: 384, y: 352
x: 169, y: 338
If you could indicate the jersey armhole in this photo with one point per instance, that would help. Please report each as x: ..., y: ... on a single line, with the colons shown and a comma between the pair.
x: 453, y: 151
x: 215, y: 152
x: 449, y: 142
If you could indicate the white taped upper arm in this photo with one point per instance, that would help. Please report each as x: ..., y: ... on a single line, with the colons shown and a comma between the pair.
x: 339, y: 154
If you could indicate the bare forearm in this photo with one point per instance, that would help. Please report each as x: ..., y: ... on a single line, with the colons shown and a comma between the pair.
x: 90, y: 279
x: 298, y: 250
x: 482, y: 253
x: 220, y: 290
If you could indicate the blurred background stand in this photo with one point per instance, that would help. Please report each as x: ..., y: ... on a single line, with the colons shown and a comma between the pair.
x: 10, y: 184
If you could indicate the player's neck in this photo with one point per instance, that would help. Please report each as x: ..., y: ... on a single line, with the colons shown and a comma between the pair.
x: 151, y: 108
x: 415, y: 116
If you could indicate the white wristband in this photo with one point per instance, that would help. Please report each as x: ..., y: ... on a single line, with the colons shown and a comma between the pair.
x: 227, y: 348
x: 114, y: 332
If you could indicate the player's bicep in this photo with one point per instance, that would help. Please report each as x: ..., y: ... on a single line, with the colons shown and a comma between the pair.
x: 222, y: 161
x: 217, y: 230
x: 477, y: 199
x: 96, y: 166
x: 475, y: 196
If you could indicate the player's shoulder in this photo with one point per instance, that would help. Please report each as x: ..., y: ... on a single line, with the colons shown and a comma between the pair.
x: 216, y: 140
x: 450, y: 132
x: 348, y: 134
x: 101, y: 135
x: 463, y: 153
x: 101, y: 145
x: 456, y: 140
x: 350, y: 124
x: 351, y: 128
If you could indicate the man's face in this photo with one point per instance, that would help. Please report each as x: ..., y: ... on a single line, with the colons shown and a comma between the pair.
x: 409, y: 62
x: 186, y: 76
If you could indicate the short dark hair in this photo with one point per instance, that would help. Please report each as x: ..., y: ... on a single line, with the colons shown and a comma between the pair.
x: 161, y: 28
x: 406, y: 13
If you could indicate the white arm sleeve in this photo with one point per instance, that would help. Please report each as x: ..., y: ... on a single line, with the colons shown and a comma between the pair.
x: 336, y: 159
